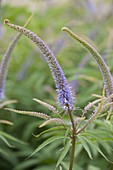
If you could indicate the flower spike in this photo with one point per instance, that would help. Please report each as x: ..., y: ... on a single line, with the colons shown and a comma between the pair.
x: 50, y: 107
x: 6, y: 60
x: 108, y: 81
x: 36, y: 114
x: 65, y: 96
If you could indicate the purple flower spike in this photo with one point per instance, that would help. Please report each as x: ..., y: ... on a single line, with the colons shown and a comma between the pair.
x: 65, y: 96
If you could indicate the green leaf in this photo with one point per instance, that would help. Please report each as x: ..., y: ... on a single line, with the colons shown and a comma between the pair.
x: 92, y: 167
x: 57, y: 128
x: 100, y: 134
x: 98, y: 149
x: 65, y: 166
x: 48, y: 141
x: 64, y: 152
x: 95, y: 146
x: 26, y: 164
x: 103, y: 141
x: 11, y: 137
x: 85, y: 145
x: 6, y: 142
x: 3, y: 152
x: 78, y: 150
x: 66, y: 134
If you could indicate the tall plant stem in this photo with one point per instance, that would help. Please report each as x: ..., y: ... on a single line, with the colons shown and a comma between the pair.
x: 73, y: 140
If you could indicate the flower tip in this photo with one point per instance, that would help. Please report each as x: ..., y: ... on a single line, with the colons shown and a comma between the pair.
x: 64, y: 28
x: 6, y: 21
x: 5, y: 108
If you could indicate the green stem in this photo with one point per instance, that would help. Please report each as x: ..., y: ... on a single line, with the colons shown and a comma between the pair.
x: 73, y: 140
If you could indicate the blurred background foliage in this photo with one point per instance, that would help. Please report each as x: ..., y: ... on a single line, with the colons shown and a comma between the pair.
x: 29, y: 76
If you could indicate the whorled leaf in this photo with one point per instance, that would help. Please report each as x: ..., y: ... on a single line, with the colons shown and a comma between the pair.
x: 64, y: 152
x: 45, y: 143
x: 85, y: 145
x: 6, y: 142
x: 55, y: 128
x: 97, y: 148
x: 100, y: 136
x: 88, y: 144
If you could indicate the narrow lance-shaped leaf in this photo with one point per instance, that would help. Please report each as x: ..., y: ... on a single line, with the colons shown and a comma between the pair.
x: 3, y: 152
x: 102, y: 64
x: 85, y: 145
x: 64, y: 152
x: 57, y: 129
x: 45, y: 143
x: 6, y: 142
x: 7, y: 136
x: 6, y: 60
x: 65, y: 97
x: 95, y: 146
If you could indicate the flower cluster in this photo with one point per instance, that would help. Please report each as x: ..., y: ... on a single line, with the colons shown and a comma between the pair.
x: 65, y: 96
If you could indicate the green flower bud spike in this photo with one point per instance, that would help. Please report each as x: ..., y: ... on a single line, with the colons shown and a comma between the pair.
x: 108, y: 81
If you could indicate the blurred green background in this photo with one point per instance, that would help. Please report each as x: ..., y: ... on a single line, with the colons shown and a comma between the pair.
x: 29, y: 76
